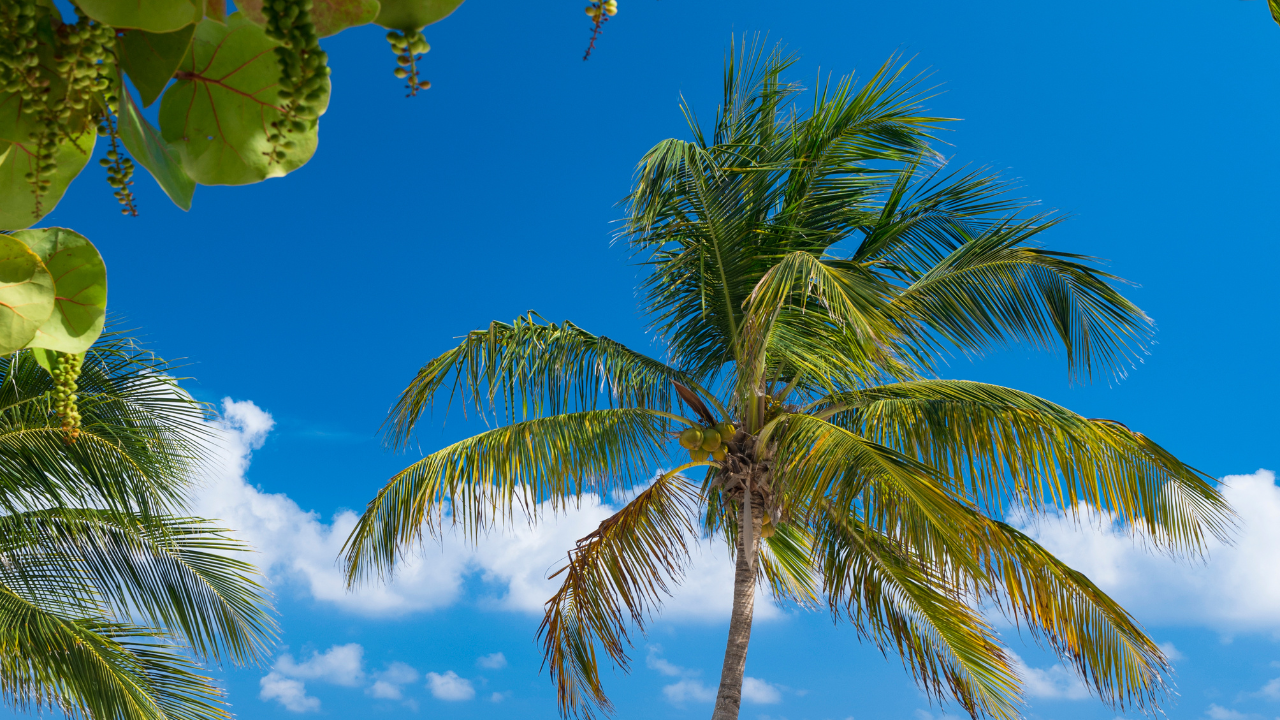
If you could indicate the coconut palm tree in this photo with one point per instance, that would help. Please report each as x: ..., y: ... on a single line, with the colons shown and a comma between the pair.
x: 110, y: 595
x: 808, y: 268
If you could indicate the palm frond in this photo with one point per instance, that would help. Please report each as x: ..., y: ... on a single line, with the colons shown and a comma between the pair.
x: 903, y: 601
x: 530, y: 368
x: 175, y: 574
x: 92, y: 668
x: 484, y: 479
x: 994, y: 289
x: 1006, y: 448
x: 615, y: 576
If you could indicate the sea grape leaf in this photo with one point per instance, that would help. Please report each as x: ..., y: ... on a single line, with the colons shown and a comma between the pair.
x: 80, y: 287
x: 17, y: 201
x: 329, y: 16
x: 150, y: 59
x: 157, y: 16
x: 26, y: 294
x: 152, y: 152
x: 216, y: 10
x: 218, y: 113
x: 44, y: 358
x: 414, y: 14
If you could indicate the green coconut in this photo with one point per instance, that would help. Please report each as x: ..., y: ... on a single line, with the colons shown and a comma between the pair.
x: 710, y: 439
x: 698, y: 454
x: 691, y: 438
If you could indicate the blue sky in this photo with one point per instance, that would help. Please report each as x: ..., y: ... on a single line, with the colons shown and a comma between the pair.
x: 309, y: 301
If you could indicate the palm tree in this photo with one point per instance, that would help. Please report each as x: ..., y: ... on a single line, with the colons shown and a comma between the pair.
x: 808, y: 267
x: 110, y: 596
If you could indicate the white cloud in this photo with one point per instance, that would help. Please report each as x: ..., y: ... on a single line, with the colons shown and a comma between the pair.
x: 386, y: 685
x: 449, y: 686
x: 340, y: 665
x: 1171, y: 651
x: 655, y: 661
x: 758, y: 691
x: 292, y: 694
x: 495, y: 661
x: 1237, y: 589
x: 689, y: 689
x: 1055, y: 683
x: 298, y: 546
x: 497, y: 697
x: 1271, y: 689
x: 1217, y: 712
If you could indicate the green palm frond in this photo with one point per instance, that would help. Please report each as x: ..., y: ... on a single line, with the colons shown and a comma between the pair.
x: 1084, y: 626
x: 484, y: 479
x: 615, y: 575
x: 530, y: 368
x: 141, y: 435
x: 174, y: 573
x: 1017, y: 449
x: 97, y: 669
x: 899, y: 600
x: 995, y: 289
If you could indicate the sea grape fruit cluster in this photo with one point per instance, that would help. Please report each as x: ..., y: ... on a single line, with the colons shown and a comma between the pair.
x: 707, y: 442
x: 598, y: 10
x: 56, y: 106
x: 65, y: 372
x: 303, y: 70
x: 409, y: 47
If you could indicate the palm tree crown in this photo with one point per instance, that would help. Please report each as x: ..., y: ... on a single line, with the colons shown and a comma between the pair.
x: 808, y: 266
x: 110, y: 595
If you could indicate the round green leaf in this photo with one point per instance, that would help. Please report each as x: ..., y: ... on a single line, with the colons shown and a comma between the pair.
x: 80, y: 287
x: 219, y: 111
x: 17, y: 201
x: 26, y: 294
x: 414, y: 14
x: 157, y: 16
x: 329, y: 16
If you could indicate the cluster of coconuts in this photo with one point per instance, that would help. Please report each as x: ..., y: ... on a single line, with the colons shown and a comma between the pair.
x: 707, y: 442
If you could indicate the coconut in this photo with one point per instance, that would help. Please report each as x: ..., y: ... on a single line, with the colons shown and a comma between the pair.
x: 698, y: 454
x: 719, y: 454
x: 726, y: 430
x: 691, y: 438
x: 710, y: 439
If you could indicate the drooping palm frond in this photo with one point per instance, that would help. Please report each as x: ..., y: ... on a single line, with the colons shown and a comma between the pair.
x: 484, y: 479
x: 174, y: 574
x: 995, y: 288
x: 1009, y: 448
x: 616, y: 575
x: 908, y: 603
x: 93, y: 668
x: 1082, y: 624
x: 530, y: 368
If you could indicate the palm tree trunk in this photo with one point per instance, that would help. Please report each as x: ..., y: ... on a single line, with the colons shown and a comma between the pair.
x: 729, y: 697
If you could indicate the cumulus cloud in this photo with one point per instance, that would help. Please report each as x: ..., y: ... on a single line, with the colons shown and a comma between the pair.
x: 1271, y: 690
x: 688, y: 689
x: 1236, y: 590
x: 450, y: 687
x: 494, y: 661
x: 298, y: 546
x: 386, y: 685
x: 1217, y: 712
x: 758, y: 691
x: 340, y: 665
x: 1054, y: 683
x: 1171, y: 651
x: 292, y: 694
